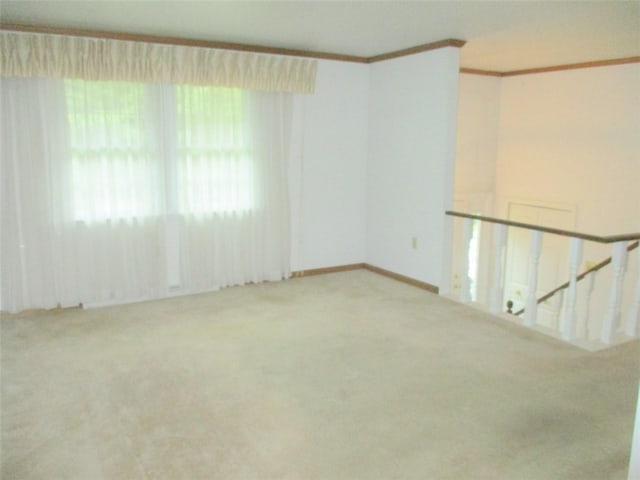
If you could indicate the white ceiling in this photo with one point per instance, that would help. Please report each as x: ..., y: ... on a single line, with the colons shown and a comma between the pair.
x: 500, y: 36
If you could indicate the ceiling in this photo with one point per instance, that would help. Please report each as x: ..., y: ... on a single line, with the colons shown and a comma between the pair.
x: 501, y: 36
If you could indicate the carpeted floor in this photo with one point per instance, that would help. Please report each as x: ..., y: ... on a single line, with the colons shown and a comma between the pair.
x: 342, y: 376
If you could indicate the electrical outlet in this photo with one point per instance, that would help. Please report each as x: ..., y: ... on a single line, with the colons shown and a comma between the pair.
x: 414, y: 242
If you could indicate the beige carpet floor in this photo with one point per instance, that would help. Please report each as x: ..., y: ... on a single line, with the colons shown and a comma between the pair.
x: 342, y: 376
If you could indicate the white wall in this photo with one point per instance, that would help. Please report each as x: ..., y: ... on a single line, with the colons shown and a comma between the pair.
x: 475, y: 170
x: 477, y: 135
x: 412, y: 117
x: 370, y: 170
x: 328, y: 166
x: 573, y: 137
x: 566, y: 137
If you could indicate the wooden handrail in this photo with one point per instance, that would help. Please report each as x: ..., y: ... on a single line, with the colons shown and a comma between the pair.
x: 595, y: 268
x: 556, y: 231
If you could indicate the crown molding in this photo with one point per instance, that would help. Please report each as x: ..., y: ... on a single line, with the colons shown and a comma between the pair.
x: 242, y: 47
x: 573, y: 66
x: 186, y: 42
x: 554, y: 68
x: 450, y: 42
x: 477, y: 71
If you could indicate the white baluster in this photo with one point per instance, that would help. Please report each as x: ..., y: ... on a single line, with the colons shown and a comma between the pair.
x: 591, y: 285
x: 619, y: 264
x: 575, y: 257
x: 557, y: 301
x: 500, y: 239
x: 531, y: 307
x: 631, y: 328
x: 465, y: 281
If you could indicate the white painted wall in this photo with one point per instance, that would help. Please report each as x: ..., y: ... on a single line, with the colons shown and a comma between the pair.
x: 569, y: 137
x: 412, y: 118
x: 573, y: 137
x: 477, y: 136
x: 475, y: 171
x: 328, y: 168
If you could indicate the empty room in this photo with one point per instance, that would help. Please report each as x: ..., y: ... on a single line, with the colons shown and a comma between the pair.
x: 319, y: 240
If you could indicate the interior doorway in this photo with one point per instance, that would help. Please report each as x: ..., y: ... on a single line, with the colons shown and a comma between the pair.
x: 553, y: 265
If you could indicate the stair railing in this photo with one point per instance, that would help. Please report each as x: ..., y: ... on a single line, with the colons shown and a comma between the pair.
x: 630, y: 247
x: 613, y: 323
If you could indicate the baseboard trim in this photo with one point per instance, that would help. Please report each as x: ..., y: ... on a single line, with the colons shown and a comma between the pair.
x: 402, y: 278
x: 296, y: 274
x: 357, y: 266
x: 325, y: 270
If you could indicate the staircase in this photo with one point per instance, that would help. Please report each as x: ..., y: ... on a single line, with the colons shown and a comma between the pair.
x: 588, y: 313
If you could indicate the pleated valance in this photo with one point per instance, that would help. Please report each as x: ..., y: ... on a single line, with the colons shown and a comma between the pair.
x: 45, y: 55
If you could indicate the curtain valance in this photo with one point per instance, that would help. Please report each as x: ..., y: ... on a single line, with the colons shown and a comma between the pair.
x: 45, y: 55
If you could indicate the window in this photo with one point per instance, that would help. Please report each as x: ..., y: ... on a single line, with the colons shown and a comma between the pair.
x: 136, y: 148
x: 213, y: 154
x: 111, y: 150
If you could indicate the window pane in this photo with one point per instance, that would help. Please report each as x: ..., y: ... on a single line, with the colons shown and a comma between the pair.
x: 111, y: 150
x: 214, y: 159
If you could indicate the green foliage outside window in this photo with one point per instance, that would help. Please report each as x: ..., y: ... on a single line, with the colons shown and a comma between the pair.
x: 117, y: 132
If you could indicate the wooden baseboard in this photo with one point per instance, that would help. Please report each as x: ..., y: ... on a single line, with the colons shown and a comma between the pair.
x: 402, y: 278
x: 300, y: 274
x: 322, y: 271
x: 371, y: 268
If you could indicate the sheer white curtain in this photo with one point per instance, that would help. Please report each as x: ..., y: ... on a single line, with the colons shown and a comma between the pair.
x: 232, y: 186
x: 31, y: 140
x: 68, y: 178
x: 115, y: 191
